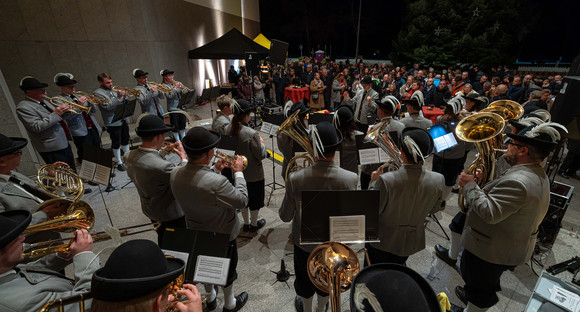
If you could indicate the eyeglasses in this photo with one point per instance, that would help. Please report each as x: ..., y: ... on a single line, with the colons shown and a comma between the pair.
x: 511, y: 142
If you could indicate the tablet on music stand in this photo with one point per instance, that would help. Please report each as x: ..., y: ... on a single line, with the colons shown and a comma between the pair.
x: 442, y: 137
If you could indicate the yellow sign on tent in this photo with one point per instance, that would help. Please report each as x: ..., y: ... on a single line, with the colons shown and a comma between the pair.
x: 263, y: 41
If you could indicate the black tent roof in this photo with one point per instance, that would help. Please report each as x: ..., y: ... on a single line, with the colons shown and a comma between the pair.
x: 232, y: 45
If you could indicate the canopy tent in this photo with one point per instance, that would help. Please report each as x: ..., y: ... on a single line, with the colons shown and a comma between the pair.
x: 232, y: 45
x: 263, y: 41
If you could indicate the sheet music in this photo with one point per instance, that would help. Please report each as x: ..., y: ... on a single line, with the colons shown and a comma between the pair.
x: 274, y: 129
x: 565, y: 298
x: 88, y: 170
x: 347, y: 228
x: 102, y: 174
x: 176, y: 254
x: 369, y: 156
x: 383, y: 157
x: 211, y: 270
x: 266, y: 127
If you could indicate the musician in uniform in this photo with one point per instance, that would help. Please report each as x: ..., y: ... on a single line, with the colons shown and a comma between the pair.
x: 149, y: 96
x: 209, y: 202
x: 83, y: 127
x: 286, y: 143
x: 222, y: 119
x: 251, y: 145
x: 138, y: 277
x: 118, y: 130
x: 408, y: 195
x: 151, y: 172
x: 43, y: 123
x: 323, y: 175
x: 177, y: 120
x: 27, y: 287
x: 415, y: 118
x: 363, y: 103
x: 504, y: 216
x: 343, y: 121
x: 385, y: 109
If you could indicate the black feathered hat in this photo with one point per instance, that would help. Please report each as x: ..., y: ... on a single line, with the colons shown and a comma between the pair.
x: 200, y: 140
x: 12, y: 224
x: 11, y: 145
x: 152, y: 125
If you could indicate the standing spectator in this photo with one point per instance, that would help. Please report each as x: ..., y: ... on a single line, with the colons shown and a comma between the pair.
x: 258, y: 89
x: 327, y: 78
x: 280, y: 83
x: 441, y: 94
x: 429, y: 92
x: 317, y: 88
x: 338, y: 87
x: 363, y: 104
x: 233, y: 76
x: 245, y: 87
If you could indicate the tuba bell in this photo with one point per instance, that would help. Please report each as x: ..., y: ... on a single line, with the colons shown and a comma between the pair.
x: 294, y: 128
x: 380, y: 136
x: 480, y: 129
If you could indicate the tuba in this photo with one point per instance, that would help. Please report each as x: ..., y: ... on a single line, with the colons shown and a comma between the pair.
x: 332, y: 267
x: 294, y: 128
x: 380, y: 136
x: 480, y: 129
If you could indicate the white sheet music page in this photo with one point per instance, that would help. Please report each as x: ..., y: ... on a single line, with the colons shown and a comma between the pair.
x: 211, y: 270
x: 368, y: 156
x: 102, y: 174
x: 274, y: 129
x: 347, y: 228
x: 88, y: 170
x: 176, y: 254
x: 266, y: 127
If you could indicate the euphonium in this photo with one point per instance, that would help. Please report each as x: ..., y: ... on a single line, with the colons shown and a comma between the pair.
x: 480, y: 129
x: 231, y: 160
x: 72, y: 106
x: 294, y: 128
x: 93, y: 99
x: 332, y: 267
x: 380, y: 136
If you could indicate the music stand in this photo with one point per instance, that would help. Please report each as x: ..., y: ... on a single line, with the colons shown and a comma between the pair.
x: 214, y: 93
x: 195, y: 244
x: 327, y: 204
x: 270, y: 125
x: 127, y: 109
x: 188, y: 98
x: 315, y: 118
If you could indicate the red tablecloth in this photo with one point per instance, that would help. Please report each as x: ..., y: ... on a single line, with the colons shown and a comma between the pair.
x: 296, y: 95
x: 432, y: 113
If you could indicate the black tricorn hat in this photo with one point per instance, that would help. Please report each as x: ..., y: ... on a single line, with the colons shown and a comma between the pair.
x: 421, y: 137
x: 139, y: 73
x: 11, y: 145
x: 242, y: 107
x: 152, y: 125
x: 64, y: 79
x: 12, y: 223
x: 200, y: 140
x: 544, y: 136
x: 394, y: 288
x: 134, y: 269
x: 366, y: 80
x: 30, y: 83
x: 330, y: 137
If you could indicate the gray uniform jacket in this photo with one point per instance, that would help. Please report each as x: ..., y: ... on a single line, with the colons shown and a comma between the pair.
x: 323, y: 175
x: 13, y: 198
x: 408, y: 195
x: 43, y: 127
x: 149, y: 100
x: 250, y: 146
x: 417, y: 121
x: 76, y: 122
x: 151, y: 174
x: 503, y: 217
x: 336, y: 88
x: 108, y: 112
x: 173, y: 97
x: 208, y: 199
x: 367, y: 107
x: 39, y: 282
x: 220, y: 123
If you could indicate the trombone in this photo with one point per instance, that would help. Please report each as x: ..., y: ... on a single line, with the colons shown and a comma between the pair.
x: 72, y: 106
x: 93, y: 99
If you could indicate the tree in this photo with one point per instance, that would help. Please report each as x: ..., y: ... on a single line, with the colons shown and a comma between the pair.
x: 445, y: 33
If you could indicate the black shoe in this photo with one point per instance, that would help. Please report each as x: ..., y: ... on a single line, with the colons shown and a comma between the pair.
x: 121, y: 167
x: 241, y: 300
x: 92, y: 183
x: 563, y: 175
x: 88, y: 191
x: 210, y: 306
x: 460, y: 293
x: 299, y: 304
x: 260, y: 224
x: 455, y: 190
x: 455, y: 308
x: 443, y: 254
x: 246, y: 228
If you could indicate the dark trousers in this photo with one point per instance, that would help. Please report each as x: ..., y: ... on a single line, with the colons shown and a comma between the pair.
x: 256, y: 194
x: 361, y: 127
x: 449, y: 168
x: 458, y: 222
x: 482, y: 279
x: 178, y: 121
x: 302, y: 284
x: 233, y: 256
x: 380, y: 256
x: 64, y: 155
x: 365, y: 180
x: 119, y: 135
x: 176, y: 223
x: 92, y: 138
x: 571, y: 163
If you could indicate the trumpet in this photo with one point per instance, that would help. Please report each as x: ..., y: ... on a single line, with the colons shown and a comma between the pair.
x: 183, y: 87
x: 93, y: 99
x: 161, y: 87
x: 231, y: 160
x: 72, y: 106
x: 127, y: 91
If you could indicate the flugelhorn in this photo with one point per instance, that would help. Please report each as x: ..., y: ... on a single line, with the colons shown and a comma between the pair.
x: 93, y: 99
x: 72, y: 106
x: 127, y: 91
x: 161, y: 87
x: 183, y: 87
x: 231, y: 160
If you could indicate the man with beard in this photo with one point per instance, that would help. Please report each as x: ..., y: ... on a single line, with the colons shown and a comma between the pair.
x: 503, y: 218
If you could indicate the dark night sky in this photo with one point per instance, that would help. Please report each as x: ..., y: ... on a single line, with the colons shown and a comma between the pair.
x: 316, y: 23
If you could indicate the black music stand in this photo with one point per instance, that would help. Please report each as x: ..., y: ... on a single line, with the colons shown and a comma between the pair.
x: 277, y: 120
x: 314, y: 118
x: 127, y: 109
x: 213, y: 94
x: 318, y: 206
x: 195, y: 244
x: 187, y: 99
